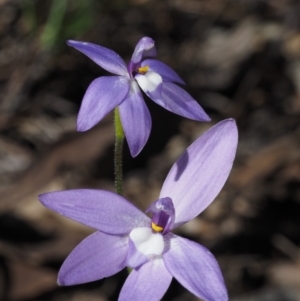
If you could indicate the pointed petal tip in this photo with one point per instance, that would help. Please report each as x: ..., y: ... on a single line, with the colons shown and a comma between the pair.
x: 135, y: 150
x: 61, y: 280
x: 65, y: 279
x: 69, y: 42
x: 43, y: 198
x: 147, y: 40
x: 182, y: 83
x: 47, y: 198
x: 227, y: 124
x: 206, y: 119
x: 134, y: 153
x: 73, y: 43
x: 81, y: 127
x: 230, y: 122
x: 201, y: 115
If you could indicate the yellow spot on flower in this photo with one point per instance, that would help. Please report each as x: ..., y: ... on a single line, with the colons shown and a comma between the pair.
x: 143, y: 69
x: 156, y: 228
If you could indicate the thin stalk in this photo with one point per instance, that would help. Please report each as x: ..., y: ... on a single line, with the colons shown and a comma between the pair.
x: 118, y: 152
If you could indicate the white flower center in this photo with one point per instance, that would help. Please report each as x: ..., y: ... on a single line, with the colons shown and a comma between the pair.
x: 149, y: 81
x: 147, y: 242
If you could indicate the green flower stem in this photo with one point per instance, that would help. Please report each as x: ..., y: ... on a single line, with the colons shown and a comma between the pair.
x: 118, y: 152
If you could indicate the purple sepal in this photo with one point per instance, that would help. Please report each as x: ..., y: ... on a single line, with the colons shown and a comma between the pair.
x: 195, y: 268
x: 99, y: 255
x: 144, y: 48
x: 136, y: 119
x: 104, y: 57
x: 178, y: 101
x: 97, y: 209
x: 199, y: 174
x: 167, y: 73
x: 147, y: 283
x: 163, y: 214
x: 102, y: 96
x: 134, y: 257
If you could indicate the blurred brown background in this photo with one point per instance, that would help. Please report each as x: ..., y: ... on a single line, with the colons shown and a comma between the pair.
x: 239, y: 58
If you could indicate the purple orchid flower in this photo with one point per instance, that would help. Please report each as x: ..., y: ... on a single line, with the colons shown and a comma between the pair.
x: 152, y: 76
x: 128, y: 237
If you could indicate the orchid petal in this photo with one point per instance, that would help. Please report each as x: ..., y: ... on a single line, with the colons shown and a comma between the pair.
x: 144, y: 245
x: 104, y: 57
x: 147, y: 242
x: 148, y: 283
x: 102, y: 96
x: 175, y: 99
x: 167, y: 73
x: 150, y: 83
x: 144, y: 48
x: 99, y: 209
x: 202, y: 170
x: 195, y: 268
x: 136, y: 119
x: 99, y: 255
